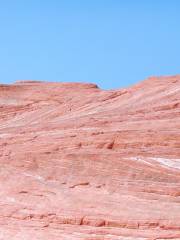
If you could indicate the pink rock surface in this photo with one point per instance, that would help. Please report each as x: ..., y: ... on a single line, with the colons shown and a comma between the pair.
x: 81, y: 163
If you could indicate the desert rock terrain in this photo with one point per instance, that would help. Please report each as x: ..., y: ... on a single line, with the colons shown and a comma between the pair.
x: 81, y: 163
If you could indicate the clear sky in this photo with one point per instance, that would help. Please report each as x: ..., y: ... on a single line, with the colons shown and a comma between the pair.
x: 113, y: 43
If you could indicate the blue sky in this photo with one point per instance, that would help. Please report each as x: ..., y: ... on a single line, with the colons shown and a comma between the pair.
x: 113, y: 43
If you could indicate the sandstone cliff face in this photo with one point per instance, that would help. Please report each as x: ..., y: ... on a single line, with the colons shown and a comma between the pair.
x: 78, y: 162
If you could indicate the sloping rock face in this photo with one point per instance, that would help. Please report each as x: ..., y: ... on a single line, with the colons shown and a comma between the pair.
x: 81, y: 163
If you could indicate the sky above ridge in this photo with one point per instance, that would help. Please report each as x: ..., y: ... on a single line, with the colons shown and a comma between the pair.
x: 112, y: 43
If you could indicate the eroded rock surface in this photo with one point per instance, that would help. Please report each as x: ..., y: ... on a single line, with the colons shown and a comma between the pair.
x: 81, y: 163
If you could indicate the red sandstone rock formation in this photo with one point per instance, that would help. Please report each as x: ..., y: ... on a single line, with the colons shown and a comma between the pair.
x: 81, y: 163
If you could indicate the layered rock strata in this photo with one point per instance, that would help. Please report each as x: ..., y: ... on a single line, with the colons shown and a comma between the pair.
x: 81, y: 163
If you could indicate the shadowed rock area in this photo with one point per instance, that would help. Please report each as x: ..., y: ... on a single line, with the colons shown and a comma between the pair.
x: 81, y: 163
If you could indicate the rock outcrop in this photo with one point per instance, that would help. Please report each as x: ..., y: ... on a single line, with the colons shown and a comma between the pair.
x: 81, y: 163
